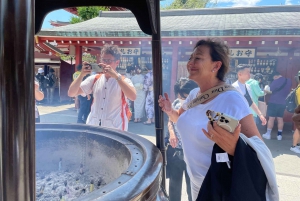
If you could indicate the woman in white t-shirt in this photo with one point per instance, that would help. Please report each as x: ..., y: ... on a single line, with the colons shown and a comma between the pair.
x: 208, y: 66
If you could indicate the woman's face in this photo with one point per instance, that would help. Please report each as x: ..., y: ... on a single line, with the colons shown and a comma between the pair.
x: 200, y: 65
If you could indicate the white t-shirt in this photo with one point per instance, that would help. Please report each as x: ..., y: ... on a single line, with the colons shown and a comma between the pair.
x: 107, y: 104
x: 242, y: 88
x: 197, y: 147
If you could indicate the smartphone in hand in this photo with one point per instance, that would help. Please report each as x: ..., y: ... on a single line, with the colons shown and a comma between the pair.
x: 224, y: 121
x: 96, y: 68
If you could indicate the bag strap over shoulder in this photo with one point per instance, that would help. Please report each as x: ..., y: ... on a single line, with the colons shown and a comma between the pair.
x: 209, y: 94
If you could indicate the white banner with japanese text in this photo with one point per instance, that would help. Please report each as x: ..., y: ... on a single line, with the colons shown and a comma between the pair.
x: 242, y: 52
x: 130, y: 51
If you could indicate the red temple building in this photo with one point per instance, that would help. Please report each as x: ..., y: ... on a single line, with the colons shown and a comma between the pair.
x: 268, y: 38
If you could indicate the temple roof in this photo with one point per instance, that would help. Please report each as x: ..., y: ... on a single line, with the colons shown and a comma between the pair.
x: 249, y: 21
x: 59, y: 23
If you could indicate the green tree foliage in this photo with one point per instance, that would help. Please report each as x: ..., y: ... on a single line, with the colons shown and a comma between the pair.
x: 189, y: 4
x: 86, y: 13
x: 74, y: 19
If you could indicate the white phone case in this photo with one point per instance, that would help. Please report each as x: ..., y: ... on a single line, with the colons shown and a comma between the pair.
x: 225, y: 121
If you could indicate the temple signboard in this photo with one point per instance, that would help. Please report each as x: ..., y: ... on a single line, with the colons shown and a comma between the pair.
x: 242, y: 52
x: 130, y: 51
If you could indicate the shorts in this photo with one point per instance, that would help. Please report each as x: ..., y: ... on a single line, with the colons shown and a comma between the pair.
x: 275, y: 110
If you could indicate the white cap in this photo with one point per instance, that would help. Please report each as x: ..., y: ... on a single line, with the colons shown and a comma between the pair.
x: 40, y: 70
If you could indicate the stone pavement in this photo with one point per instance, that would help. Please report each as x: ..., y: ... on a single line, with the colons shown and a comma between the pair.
x: 287, y: 163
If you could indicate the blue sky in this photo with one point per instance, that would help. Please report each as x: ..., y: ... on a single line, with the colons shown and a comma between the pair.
x: 62, y: 15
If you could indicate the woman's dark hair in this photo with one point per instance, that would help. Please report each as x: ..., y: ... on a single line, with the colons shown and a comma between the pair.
x: 52, y: 70
x: 176, y: 88
x: 187, y: 87
x: 111, y: 49
x: 181, y: 81
x: 218, y: 52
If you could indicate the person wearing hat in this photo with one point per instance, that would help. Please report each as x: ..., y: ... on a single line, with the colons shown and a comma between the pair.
x: 279, y: 89
x: 40, y: 78
x: 255, y: 90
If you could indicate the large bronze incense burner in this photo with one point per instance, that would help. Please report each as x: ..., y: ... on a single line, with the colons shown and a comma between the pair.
x: 89, y: 163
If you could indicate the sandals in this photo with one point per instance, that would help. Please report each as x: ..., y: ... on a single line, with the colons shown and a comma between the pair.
x: 146, y: 123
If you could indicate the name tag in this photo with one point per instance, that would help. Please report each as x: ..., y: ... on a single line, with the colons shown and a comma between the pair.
x: 222, y: 157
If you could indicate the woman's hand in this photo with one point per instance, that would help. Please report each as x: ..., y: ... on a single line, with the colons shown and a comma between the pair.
x: 165, y: 104
x: 173, y: 141
x: 263, y: 119
x: 226, y: 140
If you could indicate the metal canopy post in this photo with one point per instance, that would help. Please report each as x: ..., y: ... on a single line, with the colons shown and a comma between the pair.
x: 157, y: 84
x: 17, y: 125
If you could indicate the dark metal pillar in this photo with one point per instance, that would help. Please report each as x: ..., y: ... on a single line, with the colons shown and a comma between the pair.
x: 17, y: 121
x: 157, y: 80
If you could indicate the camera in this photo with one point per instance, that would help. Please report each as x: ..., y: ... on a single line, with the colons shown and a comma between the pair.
x: 87, y: 66
x: 96, y: 68
x: 224, y: 121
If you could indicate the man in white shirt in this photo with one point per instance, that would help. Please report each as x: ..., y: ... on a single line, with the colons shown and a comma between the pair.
x: 109, y: 90
x: 243, y: 72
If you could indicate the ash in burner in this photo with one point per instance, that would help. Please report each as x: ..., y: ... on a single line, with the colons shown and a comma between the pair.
x: 65, y: 186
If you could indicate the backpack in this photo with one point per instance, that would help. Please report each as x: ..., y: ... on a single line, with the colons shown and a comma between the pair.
x: 290, y: 101
x: 124, y: 104
x: 49, y: 81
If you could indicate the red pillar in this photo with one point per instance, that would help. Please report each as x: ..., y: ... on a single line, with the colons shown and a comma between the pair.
x: 174, y: 70
x: 98, y: 57
x: 78, y: 56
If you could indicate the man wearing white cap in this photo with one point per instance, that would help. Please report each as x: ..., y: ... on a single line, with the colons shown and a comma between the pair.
x: 40, y: 77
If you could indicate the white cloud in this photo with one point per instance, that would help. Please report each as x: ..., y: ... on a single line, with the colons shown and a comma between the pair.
x: 241, y: 3
x: 288, y: 2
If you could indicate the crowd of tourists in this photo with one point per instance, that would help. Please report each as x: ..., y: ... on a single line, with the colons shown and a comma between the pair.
x: 212, y: 137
